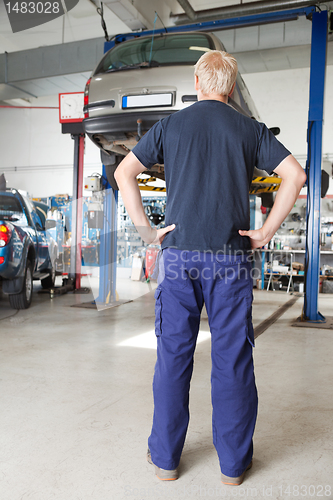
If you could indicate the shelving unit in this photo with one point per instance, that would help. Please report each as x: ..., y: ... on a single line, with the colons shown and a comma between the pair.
x: 289, y: 275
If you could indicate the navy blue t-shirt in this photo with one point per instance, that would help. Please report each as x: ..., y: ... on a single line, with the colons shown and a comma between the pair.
x: 209, y: 151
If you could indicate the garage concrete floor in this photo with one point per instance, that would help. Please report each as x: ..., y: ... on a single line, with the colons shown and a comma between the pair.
x: 76, y: 404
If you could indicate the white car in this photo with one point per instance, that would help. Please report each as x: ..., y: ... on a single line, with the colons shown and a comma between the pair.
x: 142, y: 80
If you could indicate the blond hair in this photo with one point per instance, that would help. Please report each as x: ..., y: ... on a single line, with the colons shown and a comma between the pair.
x: 216, y: 71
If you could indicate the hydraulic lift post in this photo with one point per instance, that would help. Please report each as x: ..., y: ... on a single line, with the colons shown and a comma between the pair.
x: 108, y: 246
x: 108, y: 238
x: 76, y: 233
x: 314, y: 161
x: 71, y: 123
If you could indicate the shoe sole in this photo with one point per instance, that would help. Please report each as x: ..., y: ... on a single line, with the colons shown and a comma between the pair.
x: 238, y: 480
x: 159, y: 472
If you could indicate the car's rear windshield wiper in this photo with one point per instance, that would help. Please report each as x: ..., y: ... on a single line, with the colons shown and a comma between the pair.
x: 143, y: 64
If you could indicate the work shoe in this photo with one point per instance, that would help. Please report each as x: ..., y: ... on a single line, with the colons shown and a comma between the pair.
x: 163, y: 474
x: 235, y: 481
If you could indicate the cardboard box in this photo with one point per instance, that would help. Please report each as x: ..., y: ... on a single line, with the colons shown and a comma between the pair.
x: 298, y: 266
x: 137, y: 268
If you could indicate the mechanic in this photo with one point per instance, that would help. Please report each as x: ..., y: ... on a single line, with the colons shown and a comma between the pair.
x: 209, y: 151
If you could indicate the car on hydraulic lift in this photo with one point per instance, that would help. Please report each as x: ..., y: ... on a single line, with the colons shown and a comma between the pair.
x: 27, y: 250
x: 144, y: 79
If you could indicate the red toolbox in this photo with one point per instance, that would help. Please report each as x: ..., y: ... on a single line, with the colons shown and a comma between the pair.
x: 151, y: 256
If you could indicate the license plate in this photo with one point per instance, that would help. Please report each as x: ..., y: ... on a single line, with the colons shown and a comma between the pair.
x: 146, y: 100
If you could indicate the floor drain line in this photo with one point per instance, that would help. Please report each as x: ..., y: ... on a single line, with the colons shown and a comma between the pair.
x: 262, y: 327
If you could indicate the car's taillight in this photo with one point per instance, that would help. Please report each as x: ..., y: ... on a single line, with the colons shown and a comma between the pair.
x: 86, y: 99
x: 5, y: 234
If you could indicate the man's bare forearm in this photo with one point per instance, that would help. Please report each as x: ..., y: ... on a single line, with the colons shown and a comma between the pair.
x: 293, y: 179
x: 131, y: 196
x: 125, y: 176
x: 284, y: 202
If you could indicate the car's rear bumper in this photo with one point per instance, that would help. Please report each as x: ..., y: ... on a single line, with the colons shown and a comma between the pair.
x: 124, y: 122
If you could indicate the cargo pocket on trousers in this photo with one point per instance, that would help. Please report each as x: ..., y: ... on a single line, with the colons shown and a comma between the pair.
x: 158, y: 312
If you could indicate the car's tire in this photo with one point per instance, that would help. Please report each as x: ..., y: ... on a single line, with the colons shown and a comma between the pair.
x: 110, y: 163
x: 49, y: 281
x: 23, y: 299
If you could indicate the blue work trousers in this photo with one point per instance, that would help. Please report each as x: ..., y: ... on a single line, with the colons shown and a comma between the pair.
x: 187, y: 280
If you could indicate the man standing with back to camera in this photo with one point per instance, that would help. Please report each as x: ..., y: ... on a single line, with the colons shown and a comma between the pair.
x: 209, y: 151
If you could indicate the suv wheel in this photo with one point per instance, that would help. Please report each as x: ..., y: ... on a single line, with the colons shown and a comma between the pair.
x: 23, y: 299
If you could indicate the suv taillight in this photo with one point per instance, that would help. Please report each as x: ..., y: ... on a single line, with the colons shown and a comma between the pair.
x: 86, y: 99
x: 5, y: 234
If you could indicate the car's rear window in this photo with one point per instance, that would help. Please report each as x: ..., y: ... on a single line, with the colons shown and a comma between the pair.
x: 156, y: 51
x: 9, y: 204
x: 11, y: 209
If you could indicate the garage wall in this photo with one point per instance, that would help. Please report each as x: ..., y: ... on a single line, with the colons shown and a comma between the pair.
x: 36, y: 157
x: 282, y: 99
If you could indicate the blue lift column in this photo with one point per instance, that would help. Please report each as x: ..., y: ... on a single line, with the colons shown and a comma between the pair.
x: 313, y: 167
x: 108, y: 238
x: 108, y: 246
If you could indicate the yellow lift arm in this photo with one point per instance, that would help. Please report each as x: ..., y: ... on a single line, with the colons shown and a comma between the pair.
x: 258, y: 185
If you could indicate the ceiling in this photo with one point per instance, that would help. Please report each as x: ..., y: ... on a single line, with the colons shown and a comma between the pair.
x: 82, y: 22
x: 262, y: 48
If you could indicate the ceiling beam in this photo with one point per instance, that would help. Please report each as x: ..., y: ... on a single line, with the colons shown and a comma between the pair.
x: 50, y: 61
x: 188, y: 9
x: 241, y: 9
x: 128, y: 14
